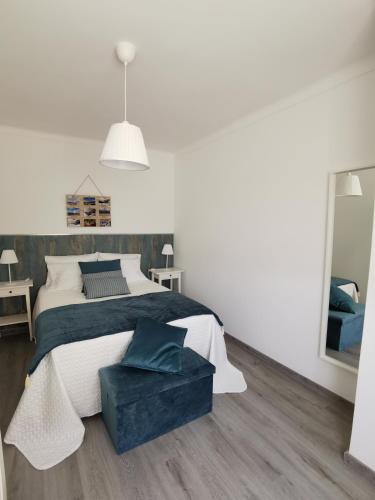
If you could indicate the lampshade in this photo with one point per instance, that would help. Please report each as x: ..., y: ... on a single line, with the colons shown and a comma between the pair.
x: 167, y: 249
x: 124, y: 148
x: 8, y: 257
x: 348, y: 185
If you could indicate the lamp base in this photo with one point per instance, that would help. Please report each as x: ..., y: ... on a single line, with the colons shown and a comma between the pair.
x: 10, y: 274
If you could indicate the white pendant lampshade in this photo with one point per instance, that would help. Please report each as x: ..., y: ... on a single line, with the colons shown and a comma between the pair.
x: 124, y: 147
x: 348, y: 185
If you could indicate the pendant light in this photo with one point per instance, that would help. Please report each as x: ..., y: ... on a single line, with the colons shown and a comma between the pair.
x: 348, y: 185
x: 124, y: 147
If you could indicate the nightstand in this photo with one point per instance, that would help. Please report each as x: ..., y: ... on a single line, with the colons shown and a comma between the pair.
x: 17, y: 288
x: 167, y: 273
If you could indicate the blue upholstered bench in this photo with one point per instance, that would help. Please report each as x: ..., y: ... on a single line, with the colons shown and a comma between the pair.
x: 140, y: 405
x: 345, y: 329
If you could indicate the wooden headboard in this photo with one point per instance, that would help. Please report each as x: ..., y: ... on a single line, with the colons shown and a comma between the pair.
x: 31, y: 249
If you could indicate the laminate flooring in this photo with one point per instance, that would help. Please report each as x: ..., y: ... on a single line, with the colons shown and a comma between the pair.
x: 283, y: 438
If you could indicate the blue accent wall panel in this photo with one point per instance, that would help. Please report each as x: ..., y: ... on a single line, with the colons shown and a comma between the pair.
x: 31, y: 249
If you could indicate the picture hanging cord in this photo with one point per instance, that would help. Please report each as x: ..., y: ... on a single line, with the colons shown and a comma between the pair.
x: 93, y: 182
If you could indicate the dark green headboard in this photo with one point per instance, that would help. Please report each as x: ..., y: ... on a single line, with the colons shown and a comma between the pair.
x: 31, y: 250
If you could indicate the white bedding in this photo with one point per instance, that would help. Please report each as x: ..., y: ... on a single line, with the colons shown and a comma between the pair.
x: 47, y: 426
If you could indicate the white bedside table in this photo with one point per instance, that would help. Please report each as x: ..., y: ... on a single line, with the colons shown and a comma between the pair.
x: 167, y: 273
x: 17, y: 288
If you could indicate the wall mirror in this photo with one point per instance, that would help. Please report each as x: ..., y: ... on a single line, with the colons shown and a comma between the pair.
x: 348, y: 253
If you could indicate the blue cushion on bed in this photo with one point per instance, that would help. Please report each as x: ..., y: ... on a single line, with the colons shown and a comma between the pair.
x: 156, y: 347
x: 340, y: 300
x: 101, y: 266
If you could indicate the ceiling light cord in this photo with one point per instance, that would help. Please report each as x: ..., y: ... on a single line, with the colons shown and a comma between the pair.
x: 124, y: 147
x: 125, y: 66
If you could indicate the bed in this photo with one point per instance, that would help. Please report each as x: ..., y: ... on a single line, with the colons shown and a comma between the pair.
x: 64, y: 387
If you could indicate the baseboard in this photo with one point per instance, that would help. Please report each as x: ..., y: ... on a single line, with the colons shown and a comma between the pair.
x: 359, y: 466
x: 297, y: 376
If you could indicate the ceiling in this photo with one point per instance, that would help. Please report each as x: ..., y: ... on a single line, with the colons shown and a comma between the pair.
x: 201, y: 64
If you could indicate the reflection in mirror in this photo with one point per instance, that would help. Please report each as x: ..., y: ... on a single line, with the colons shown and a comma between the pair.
x: 352, y: 234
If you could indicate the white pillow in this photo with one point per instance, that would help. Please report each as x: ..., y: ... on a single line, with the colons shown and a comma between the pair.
x: 87, y: 257
x: 130, y: 264
x: 64, y: 276
x: 64, y: 259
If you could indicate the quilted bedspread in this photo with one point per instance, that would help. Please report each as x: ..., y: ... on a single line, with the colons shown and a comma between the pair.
x: 77, y: 322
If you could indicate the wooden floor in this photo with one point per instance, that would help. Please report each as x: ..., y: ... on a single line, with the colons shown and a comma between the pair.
x: 281, y: 439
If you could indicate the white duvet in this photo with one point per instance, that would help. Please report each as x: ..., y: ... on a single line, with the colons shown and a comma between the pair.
x: 47, y: 426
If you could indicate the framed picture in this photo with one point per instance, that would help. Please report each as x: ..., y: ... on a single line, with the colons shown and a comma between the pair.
x: 83, y: 210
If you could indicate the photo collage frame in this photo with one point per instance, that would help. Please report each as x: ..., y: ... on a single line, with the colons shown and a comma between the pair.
x: 88, y: 210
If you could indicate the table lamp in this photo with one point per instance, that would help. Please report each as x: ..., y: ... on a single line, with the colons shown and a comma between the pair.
x: 9, y: 257
x: 167, y: 250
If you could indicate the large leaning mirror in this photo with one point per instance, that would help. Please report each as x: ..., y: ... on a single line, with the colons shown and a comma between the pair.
x: 349, y: 242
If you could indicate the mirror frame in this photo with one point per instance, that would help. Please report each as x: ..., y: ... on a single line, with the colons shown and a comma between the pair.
x: 327, y: 275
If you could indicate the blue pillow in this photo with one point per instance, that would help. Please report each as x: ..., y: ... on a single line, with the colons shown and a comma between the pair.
x: 100, y: 266
x: 156, y: 347
x: 340, y: 300
x: 104, y: 284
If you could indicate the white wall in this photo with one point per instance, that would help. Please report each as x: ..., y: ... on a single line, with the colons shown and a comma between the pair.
x: 353, y: 233
x: 38, y: 170
x: 362, y: 444
x: 251, y: 207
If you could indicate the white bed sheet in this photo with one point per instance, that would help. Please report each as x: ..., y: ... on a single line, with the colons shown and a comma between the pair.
x: 47, y: 426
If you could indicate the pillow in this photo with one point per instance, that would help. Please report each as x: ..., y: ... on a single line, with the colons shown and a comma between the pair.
x: 104, y: 284
x: 130, y: 264
x: 123, y: 256
x: 63, y: 259
x: 340, y: 300
x: 99, y: 267
x: 88, y: 257
x: 156, y: 347
x: 64, y: 276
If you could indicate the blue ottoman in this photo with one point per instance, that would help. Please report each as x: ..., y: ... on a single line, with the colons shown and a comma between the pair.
x: 140, y: 405
x: 345, y: 329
